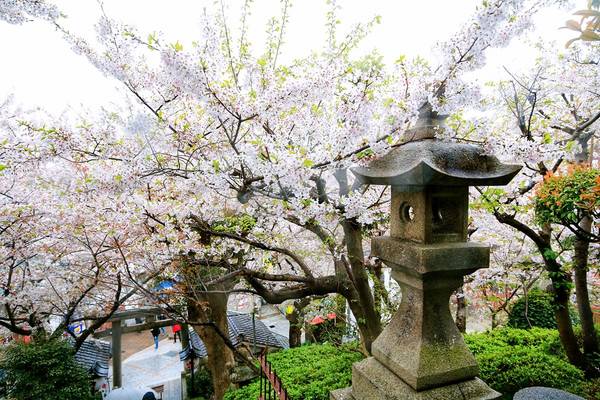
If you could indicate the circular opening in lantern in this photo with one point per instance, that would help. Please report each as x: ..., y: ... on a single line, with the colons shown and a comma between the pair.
x: 407, y: 212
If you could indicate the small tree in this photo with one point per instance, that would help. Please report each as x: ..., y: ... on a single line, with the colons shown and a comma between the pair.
x: 44, y: 369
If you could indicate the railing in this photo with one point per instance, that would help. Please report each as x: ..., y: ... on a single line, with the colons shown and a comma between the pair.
x: 271, y: 387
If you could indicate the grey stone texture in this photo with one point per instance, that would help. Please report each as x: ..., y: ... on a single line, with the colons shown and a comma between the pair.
x: 543, y: 393
x: 436, y: 214
x: 421, y: 355
x: 373, y: 381
x: 433, y: 162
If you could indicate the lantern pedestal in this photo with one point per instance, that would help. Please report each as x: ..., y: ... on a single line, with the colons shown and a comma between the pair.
x: 372, y: 380
x: 421, y: 354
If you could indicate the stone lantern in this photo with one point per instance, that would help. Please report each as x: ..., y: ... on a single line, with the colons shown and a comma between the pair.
x: 421, y: 354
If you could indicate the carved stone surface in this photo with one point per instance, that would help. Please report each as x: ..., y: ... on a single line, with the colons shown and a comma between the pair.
x: 422, y: 344
x: 543, y: 393
x: 432, y: 162
x: 421, y: 355
x: 464, y: 258
x: 371, y: 380
x: 436, y: 214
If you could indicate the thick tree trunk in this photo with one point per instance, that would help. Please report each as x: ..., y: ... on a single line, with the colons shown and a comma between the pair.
x: 461, y: 310
x: 561, y: 282
x: 212, y: 307
x: 590, y: 338
x: 363, y: 305
x: 296, y: 320
x: 560, y: 289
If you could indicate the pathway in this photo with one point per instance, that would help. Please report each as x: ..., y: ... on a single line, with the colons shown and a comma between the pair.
x: 150, y: 368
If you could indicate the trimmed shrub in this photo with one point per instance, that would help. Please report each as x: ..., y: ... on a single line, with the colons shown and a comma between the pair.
x: 513, y: 368
x: 512, y: 359
x: 44, y: 369
x: 540, y: 311
x: 504, y: 337
x: 308, y: 372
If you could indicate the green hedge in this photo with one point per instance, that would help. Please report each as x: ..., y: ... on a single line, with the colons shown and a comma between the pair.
x: 511, y: 359
x: 308, y: 372
x: 540, y: 311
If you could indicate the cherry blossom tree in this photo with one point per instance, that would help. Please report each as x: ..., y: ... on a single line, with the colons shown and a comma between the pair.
x: 60, y: 255
x: 218, y: 131
x: 550, y: 121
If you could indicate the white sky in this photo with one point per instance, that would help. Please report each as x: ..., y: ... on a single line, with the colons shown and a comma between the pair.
x: 41, y: 70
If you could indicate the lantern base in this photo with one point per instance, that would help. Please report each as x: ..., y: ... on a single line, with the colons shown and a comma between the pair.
x: 371, y: 380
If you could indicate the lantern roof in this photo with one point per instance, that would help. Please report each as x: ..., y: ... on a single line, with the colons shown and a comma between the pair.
x: 436, y: 162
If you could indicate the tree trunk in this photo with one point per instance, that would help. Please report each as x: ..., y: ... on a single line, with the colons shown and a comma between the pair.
x: 296, y: 319
x: 212, y: 307
x: 590, y: 338
x: 494, y: 319
x: 560, y: 290
x: 362, y: 305
x: 561, y: 282
x: 461, y: 310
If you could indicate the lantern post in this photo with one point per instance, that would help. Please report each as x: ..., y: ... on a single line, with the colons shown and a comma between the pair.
x: 421, y: 354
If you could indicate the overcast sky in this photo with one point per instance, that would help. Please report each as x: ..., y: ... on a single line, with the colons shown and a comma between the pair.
x: 41, y: 70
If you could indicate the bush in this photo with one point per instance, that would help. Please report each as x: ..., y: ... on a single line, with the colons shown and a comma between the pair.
x: 513, y: 368
x: 540, y: 311
x: 308, y: 372
x: 203, y: 387
x: 512, y: 359
x: 44, y: 369
x: 501, y: 338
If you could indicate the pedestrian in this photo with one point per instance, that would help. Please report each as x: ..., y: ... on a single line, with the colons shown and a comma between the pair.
x: 155, y: 332
x: 149, y: 396
x: 176, y: 332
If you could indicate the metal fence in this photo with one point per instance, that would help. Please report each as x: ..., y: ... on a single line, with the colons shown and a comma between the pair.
x: 271, y: 387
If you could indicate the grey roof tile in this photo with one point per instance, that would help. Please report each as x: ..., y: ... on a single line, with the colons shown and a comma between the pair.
x: 240, y: 326
x: 94, y: 355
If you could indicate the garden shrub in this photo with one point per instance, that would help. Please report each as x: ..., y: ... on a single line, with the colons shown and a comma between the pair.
x: 554, y: 346
x: 540, y: 311
x: 512, y: 359
x: 509, y: 359
x: 592, y: 389
x: 203, y: 387
x: 44, y: 369
x: 513, y: 368
x: 308, y: 372
x: 485, y: 342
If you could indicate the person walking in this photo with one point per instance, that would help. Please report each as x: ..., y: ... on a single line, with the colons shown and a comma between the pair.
x: 176, y: 332
x: 155, y: 333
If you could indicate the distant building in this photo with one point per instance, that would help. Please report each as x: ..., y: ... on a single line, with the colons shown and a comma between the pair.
x: 94, y: 355
x: 241, y: 332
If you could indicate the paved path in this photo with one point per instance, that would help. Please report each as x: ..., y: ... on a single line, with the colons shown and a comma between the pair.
x: 274, y: 320
x: 151, y: 368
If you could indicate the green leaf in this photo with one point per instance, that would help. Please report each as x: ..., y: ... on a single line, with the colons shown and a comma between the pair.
x: 177, y: 46
x: 308, y: 163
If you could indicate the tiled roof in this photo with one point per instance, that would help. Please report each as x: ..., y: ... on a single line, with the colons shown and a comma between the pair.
x: 94, y: 355
x: 283, y: 340
x: 240, y: 326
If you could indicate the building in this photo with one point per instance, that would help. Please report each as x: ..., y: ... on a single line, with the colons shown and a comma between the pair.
x: 241, y: 332
x: 94, y: 355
